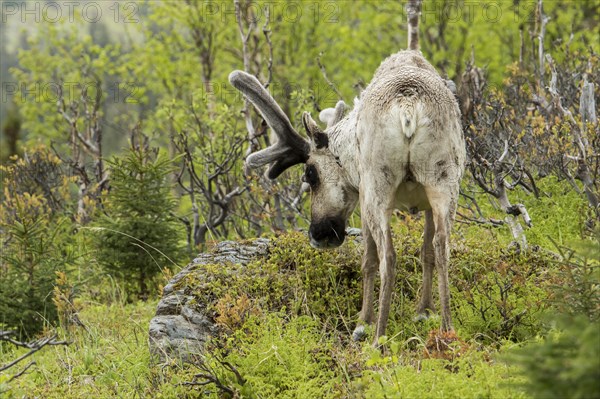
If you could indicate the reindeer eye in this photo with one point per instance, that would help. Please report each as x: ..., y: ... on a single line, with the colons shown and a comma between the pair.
x: 310, y: 176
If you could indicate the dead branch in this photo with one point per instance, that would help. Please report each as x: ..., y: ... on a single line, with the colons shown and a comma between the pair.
x: 329, y: 82
x: 208, y: 375
x: 245, y: 36
x: 584, y: 173
x: 267, y: 34
x: 462, y: 218
x: 33, y: 347
x: 542, y: 20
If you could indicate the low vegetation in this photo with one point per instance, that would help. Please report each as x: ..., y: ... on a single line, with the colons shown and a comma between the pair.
x: 286, y: 323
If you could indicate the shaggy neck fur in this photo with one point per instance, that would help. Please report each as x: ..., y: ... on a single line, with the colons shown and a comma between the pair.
x: 343, y: 144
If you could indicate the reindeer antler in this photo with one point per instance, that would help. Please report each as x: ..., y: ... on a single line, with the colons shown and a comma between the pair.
x: 290, y: 148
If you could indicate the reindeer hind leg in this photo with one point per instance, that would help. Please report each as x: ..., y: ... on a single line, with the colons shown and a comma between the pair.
x: 425, y: 306
x: 443, y: 207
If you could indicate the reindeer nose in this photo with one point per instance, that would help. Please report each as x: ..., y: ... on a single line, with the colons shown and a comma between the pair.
x: 327, y: 233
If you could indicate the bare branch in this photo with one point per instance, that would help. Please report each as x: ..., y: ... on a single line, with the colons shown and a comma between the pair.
x: 329, y: 82
x: 482, y: 221
x: 267, y: 33
x: 245, y: 37
x: 33, y: 347
x: 504, y: 153
x: 583, y: 170
x: 587, y: 103
x: 542, y: 20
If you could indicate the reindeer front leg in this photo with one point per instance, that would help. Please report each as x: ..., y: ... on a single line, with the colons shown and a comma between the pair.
x: 387, y: 273
x: 376, y: 214
x: 370, y: 261
x: 378, y: 251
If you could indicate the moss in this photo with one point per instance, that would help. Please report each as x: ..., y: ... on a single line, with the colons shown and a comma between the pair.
x: 289, y: 358
x: 294, y: 277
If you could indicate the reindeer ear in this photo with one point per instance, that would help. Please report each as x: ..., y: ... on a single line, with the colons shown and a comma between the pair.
x: 318, y: 137
x: 331, y: 116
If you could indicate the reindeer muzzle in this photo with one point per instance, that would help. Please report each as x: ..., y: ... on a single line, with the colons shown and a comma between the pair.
x: 327, y: 233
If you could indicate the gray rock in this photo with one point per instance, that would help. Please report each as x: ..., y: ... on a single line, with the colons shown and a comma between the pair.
x: 182, y: 326
x: 359, y: 333
x: 353, y: 232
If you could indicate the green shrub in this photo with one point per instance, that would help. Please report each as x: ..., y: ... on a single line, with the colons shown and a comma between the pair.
x: 294, y: 277
x: 500, y: 295
x: 577, y: 289
x: 138, y: 237
x: 35, y: 240
x: 496, y: 294
x: 34, y: 252
x: 566, y: 362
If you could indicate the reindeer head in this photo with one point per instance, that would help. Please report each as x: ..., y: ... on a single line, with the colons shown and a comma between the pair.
x: 332, y: 199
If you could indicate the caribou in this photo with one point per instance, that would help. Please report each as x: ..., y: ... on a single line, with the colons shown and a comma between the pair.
x: 400, y: 147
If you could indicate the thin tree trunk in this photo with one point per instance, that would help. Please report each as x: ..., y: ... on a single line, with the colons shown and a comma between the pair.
x: 413, y: 11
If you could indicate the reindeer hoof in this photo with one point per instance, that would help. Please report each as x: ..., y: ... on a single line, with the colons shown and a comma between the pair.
x: 359, y: 333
